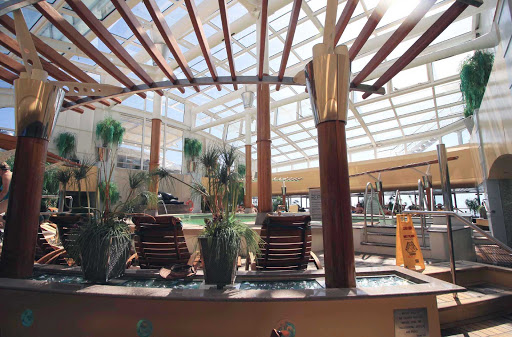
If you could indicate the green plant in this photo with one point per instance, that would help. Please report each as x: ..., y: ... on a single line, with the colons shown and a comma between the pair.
x: 474, y: 75
x: 192, y: 149
x: 66, y: 144
x: 241, y: 170
x: 64, y: 176
x: 80, y: 174
x: 50, y: 186
x: 276, y: 202
x: 111, y: 133
x: 113, y: 192
x: 473, y: 205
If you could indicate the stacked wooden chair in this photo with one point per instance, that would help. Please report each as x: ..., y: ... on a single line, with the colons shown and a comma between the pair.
x: 160, y: 242
x: 47, y: 253
x: 287, y: 244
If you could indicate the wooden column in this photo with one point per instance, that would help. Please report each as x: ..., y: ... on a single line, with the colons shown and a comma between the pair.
x: 263, y: 142
x: 427, y: 182
x: 154, y: 152
x: 336, y: 205
x: 24, y: 206
x: 248, y: 178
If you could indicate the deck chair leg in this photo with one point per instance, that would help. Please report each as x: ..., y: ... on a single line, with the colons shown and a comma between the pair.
x: 316, y: 261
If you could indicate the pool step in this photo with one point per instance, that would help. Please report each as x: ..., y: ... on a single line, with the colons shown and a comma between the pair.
x: 479, y: 301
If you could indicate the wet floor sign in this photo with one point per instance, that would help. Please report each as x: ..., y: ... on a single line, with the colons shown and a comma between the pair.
x: 408, y: 251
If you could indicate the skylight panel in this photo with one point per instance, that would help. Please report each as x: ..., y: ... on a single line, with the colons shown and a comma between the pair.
x: 163, y: 5
x: 303, y: 32
x: 299, y: 136
x: 378, y: 137
x: 362, y: 155
x: 426, y: 116
x: 454, y: 110
x: 401, y: 48
x: 306, y: 51
x: 351, y: 123
x: 175, y: 14
x: 233, y: 131
x: 226, y: 113
x: 359, y: 63
x: 244, y: 61
x: 84, y: 60
x: 187, y: 93
x: 31, y: 16
x: 410, y: 77
x: 141, y: 11
x: 449, y: 66
x: 295, y: 155
x: 290, y: 129
x: 378, y: 116
x: 120, y: 28
x: 214, y: 93
x: 236, y: 11
x: 281, y: 22
x: 100, y: 45
x: 382, y: 104
x: 217, y: 131
x: 275, y: 45
x: 448, y: 87
x: 307, y: 143
x: 308, y: 124
x: 280, y: 159
x: 358, y: 141
x: 199, y: 99
x: 413, y: 96
x: 285, y: 92
x: 455, y: 29
x: 398, y: 10
x: 316, y: 5
x: 311, y: 152
x: 352, y: 31
x: 275, y: 142
x: 233, y: 102
x: 286, y: 148
x: 383, y: 126
x: 286, y: 113
x: 355, y: 133
x: 447, y: 122
x: 276, y: 62
x: 415, y: 107
x: 449, y: 99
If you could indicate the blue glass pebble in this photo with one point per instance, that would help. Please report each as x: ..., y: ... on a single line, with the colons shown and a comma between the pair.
x: 27, y: 318
x: 144, y: 328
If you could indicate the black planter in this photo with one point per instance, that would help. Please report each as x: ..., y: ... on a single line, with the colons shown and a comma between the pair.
x: 110, y: 262
x: 219, y: 259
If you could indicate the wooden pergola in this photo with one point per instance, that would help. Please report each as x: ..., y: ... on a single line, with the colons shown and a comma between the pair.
x: 82, y: 91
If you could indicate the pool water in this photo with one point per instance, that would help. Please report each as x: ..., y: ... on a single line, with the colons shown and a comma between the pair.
x: 362, y: 282
x: 198, y: 219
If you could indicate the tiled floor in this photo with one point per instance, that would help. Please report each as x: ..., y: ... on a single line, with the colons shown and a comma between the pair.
x: 496, y: 327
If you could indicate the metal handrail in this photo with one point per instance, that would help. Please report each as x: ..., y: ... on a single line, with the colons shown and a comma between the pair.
x: 468, y: 223
x: 365, y: 230
x: 421, y: 196
x: 397, y: 197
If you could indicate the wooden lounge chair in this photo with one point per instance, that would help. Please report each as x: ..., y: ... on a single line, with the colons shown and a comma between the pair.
x: 160, y: 242
x: 47, y: 253
x: 287, y: 244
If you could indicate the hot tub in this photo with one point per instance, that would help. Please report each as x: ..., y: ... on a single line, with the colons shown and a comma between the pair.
x: 254, y: 306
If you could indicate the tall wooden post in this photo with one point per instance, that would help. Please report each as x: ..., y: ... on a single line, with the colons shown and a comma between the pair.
x: 154, y: 152
x: 327, y: 79
x: 248, y: 179
x: 263, y: 142
x: 36, y: 104
x: 427, y: 183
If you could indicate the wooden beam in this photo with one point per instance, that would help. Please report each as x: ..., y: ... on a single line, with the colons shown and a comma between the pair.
x: 82, y: 43
x: 227, y: 39
x: 369, y: 27
x: 11, y: 64
x: 169, y: 39
x: 7, y: 76
x: 398, y: 36
x: 143, y: 37
x: 263, y: 36
x: 430, y: 35
x: 221, y: 80
x: 344, y: 19
x: 12, y: 45
x: 201, y: 38
x: 52, y: 55
x: 294, y: 17
x: 110, y: 41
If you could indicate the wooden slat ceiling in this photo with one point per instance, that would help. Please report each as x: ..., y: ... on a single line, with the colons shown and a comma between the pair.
x: 61, y: 68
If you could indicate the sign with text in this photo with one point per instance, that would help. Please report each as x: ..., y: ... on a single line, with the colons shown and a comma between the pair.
x: 408, y: 250
x: 411, y: 322
x: 315, y: 204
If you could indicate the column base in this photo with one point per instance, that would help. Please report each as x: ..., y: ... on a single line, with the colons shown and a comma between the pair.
x: 260, y: 217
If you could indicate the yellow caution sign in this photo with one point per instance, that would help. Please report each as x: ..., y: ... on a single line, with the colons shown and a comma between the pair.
x: 408, y: 250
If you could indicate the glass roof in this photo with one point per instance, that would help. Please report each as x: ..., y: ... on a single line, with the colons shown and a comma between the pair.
x: 423, y: 99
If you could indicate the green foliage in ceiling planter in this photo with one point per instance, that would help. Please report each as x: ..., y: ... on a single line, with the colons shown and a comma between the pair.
x: 474, y: 74
x: 110, y: 132
x: 66, y: 144
x: 192, y: 148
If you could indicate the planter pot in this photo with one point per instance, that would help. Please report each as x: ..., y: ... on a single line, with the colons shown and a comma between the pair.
x: 470, y: 123
x: 219, y: 262
x: 109, y: 262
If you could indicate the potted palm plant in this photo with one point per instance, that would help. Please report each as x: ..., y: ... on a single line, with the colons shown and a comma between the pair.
x: 64, y: 176
x: 103, y: 242
x: 222, y: 237
x: 80, y: 174
x: 192, y: 149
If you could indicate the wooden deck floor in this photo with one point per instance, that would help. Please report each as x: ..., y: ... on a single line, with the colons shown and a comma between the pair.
x: 500, y: 326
